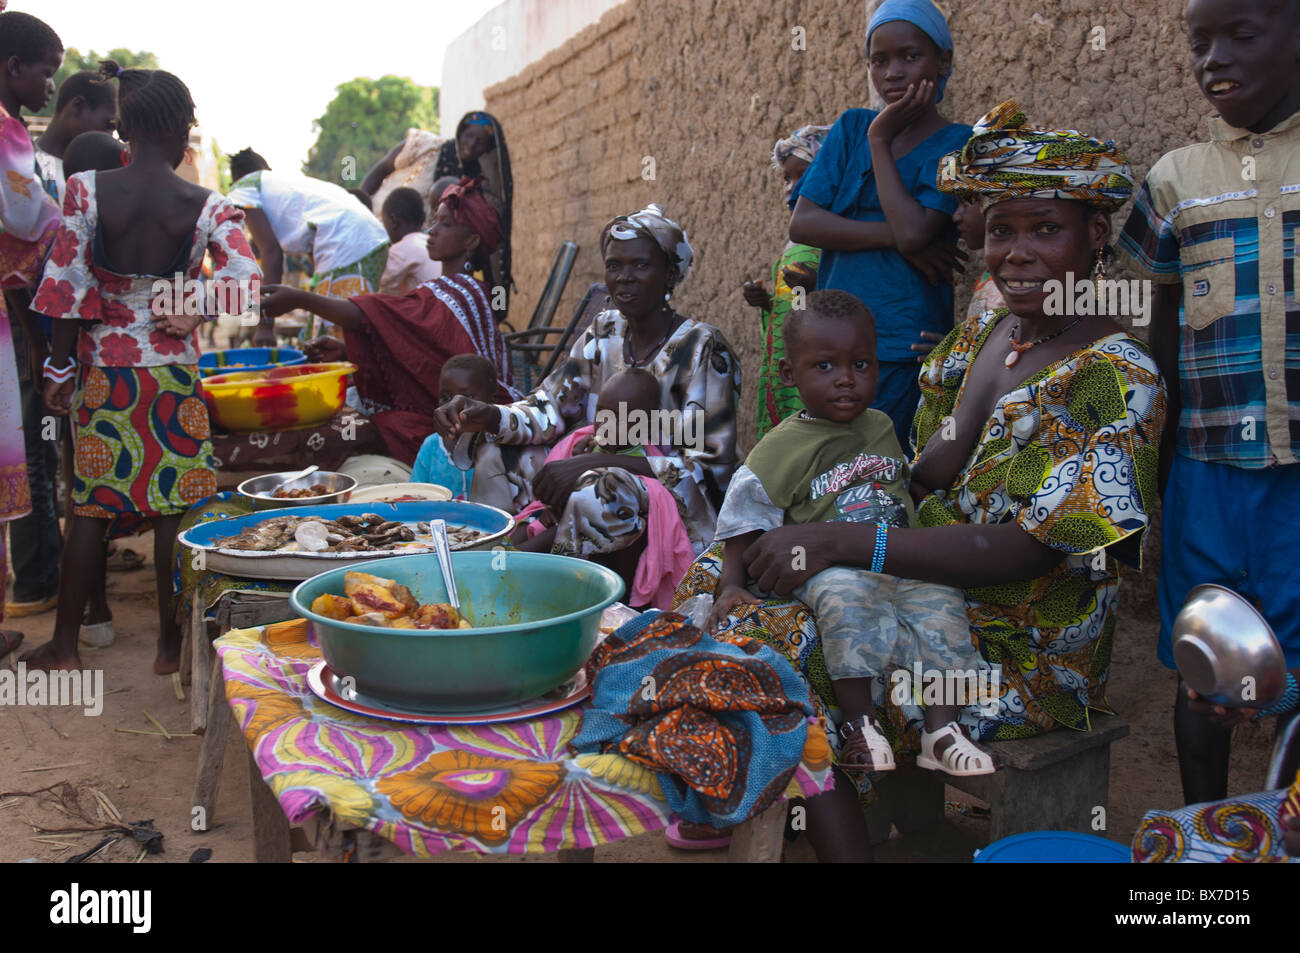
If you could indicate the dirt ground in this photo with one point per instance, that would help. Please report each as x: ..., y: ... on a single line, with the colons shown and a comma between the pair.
x: 145, y: 776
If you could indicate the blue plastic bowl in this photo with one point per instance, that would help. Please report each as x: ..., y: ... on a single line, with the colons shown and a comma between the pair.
x: 248, y: 359
x: 1053, y: 847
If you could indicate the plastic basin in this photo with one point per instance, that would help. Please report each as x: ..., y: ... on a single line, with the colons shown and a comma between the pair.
x: 536, y: 618
x: 277, y: 399
x: 1054, y: 847
x: 248, y: 359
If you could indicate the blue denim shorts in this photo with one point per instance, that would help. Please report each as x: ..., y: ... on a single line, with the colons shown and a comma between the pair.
x: 1232, y: 527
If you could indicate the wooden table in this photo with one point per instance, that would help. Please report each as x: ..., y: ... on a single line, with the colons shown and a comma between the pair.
x: 209, y: 710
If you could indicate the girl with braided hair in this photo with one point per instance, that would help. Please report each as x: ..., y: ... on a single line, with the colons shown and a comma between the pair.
x: 140, y: 430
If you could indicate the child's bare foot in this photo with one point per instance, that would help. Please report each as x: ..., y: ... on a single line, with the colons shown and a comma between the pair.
x: 48, y: 658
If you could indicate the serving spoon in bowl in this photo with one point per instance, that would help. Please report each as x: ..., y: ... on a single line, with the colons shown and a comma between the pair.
x: 438, y: 530
x: 297, y: 476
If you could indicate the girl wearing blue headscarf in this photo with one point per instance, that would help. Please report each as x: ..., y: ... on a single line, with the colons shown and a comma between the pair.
x: 870, y: 201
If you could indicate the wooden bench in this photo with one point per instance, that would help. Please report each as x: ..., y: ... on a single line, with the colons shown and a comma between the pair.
x: 1055, y: 781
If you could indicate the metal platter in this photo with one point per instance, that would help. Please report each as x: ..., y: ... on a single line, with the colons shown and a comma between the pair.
x: 208, y: 553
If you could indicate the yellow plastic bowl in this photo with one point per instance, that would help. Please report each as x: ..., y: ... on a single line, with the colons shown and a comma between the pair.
x: 277, y: 399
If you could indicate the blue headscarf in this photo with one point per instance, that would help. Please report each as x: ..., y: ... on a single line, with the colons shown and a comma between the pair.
x: 923, y: 15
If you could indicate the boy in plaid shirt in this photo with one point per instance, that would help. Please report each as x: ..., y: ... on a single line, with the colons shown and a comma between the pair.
x: 1216, y: 227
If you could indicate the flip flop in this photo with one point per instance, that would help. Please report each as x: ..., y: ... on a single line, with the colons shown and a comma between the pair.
x: 9, y: 641
x: 124, y: 560
x: 17, y: 610
x: 675, y: 839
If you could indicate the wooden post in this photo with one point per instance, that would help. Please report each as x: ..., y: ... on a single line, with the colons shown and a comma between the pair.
x: 212, y: 754
x: 200, y: 666
x: 761, y: 839
x: 271, y: 844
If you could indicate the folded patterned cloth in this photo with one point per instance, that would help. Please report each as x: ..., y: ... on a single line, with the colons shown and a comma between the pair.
x: 725, y: 721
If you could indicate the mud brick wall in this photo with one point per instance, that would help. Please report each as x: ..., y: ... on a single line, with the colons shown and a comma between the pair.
x: 705, y: 87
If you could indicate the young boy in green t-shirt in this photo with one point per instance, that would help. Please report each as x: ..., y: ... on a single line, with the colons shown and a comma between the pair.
x: 840, y: 461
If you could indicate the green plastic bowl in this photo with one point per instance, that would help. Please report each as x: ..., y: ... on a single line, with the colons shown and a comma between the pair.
x: 536, y: 619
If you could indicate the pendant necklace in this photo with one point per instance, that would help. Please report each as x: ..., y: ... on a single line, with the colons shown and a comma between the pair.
x: 627, y: 344
x: 1017, y: 348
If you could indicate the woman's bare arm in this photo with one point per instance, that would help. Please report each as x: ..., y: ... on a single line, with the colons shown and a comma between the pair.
x: 813, y: 225
x: 381, y: 170
x: 962, y: 556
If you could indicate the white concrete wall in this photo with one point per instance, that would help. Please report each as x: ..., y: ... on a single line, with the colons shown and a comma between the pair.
x: 503, y: 42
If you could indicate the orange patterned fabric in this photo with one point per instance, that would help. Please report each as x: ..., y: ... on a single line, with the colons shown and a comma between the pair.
x: 725, y: 721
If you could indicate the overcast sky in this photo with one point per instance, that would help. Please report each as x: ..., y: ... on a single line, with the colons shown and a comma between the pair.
x: 261, y: 71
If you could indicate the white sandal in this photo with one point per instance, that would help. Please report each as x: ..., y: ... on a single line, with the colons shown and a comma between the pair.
x: 882, y: 755
x: 961, y: 759
x: 99, y: 635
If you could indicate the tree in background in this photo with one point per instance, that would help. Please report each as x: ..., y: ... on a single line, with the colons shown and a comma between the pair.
x: 223, y: 168
x: 363, y: 121
x: 74, y: 62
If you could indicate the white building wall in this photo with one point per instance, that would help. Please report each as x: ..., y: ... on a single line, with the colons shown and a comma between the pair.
x: 503, y: 42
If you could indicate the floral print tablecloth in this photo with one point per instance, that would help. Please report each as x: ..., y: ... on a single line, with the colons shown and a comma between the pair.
x: 509, y: 788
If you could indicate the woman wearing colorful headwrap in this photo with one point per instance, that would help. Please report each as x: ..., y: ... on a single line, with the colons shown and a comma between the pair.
x: 797, y: 267
x: 870, y: 204
x: 1038, y: 436
x: 400, y: 342
x: 602, y: 504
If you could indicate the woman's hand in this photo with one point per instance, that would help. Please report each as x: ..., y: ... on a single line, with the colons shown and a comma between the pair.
x: 1221, y: 714
x: 279, y: 299
x: 800, y: 275
x: 465, y: 415
x: 58, y: 397
x: 177, y: 325
x: 555, y: 481
x: 924, y: 346
x: 786, y: 557
x: 900, y: 114
x: 938, y: 262
x: 264, y: 336
x: 325, y: 350
x: 756, y: 295
x: 728, y: 599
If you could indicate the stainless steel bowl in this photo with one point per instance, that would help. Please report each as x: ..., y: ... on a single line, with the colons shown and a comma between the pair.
x: 259, y: 489
x: 1226, y: 651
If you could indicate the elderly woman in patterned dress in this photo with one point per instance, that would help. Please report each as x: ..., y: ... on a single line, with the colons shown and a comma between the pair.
x: 600, y: 502
x: 1037, y: 435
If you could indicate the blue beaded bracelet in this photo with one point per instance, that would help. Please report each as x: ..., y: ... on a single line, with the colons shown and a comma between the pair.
x: 1285, y: 702
x: 878, y: 554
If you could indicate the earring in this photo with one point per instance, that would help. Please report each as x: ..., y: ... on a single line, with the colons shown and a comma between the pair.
x: 468, y: 267
x: 1099, y: 273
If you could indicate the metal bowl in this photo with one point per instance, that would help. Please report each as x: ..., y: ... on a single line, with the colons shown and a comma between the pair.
x: 536, y: 617
x: 259, y: 489
x: 1226, y: 651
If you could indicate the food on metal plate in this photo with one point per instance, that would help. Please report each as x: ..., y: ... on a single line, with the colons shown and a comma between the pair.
x: 368, y: 532
x: 384, y: 603
x: 316, y: 489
